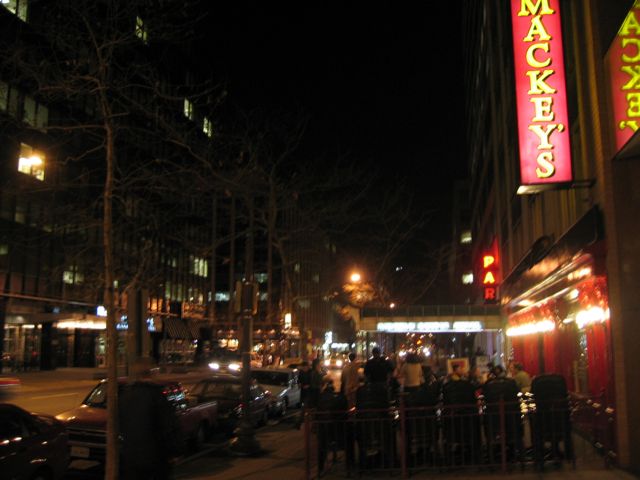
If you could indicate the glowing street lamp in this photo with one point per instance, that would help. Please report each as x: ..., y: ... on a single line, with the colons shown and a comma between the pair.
x: 355, y: 277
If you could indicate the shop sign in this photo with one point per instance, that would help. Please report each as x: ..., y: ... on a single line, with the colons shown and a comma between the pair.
x: 490, y: 275
x: 541, y: 98
x: 623, y: 61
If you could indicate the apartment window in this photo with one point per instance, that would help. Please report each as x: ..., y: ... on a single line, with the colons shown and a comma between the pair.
x: 207, y: 127
x: 198, y: 266
x: 467, y: 278
x: 188, y: 109
x: 141, y: 30
x: 17, y: 7
x: 31, y: 162
x: 72, y: 275
x: 4, y: 249
x: 261, y: 277
x: 465, y: 237
x: 35, y: 114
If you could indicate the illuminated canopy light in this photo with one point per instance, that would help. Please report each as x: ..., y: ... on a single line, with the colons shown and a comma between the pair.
x: 403, y: 327
x: 85, y: 325
x: 529, y: 328
x: 591, y: 316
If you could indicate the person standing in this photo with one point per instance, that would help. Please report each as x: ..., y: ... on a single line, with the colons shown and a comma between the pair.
x: 378, y: 369
x: 148, y: 426
x: 411, y: 373
x: 522, y: 378
x: 349, y: 380
x: 316, y: 383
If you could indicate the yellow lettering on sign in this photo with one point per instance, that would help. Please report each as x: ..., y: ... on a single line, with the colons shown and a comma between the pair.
x: 537, y: 29
x: 488, y: 260
x: 543, y: 109
x: 634, y: 104
x: 544, y: 133
x: 630, y: 25
x: 528, y: 7
x: 634, y: 72
x: 538, y: 82
x: 531, y: 55
x: 636, y: 43
x: 488, y: 278
x: 546, y: 167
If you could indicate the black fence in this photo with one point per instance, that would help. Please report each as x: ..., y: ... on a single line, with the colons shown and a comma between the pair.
x: 494, y: 435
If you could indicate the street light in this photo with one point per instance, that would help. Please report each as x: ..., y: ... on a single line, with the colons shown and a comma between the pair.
x: 355, y: 277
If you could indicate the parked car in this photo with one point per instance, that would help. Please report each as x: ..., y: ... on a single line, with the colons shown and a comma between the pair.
x: 226, y: 390
x: 282, y: 383
x: 86, y: 424
x: 32, y: 446
x: 9, y: 386
x: 227, y: 361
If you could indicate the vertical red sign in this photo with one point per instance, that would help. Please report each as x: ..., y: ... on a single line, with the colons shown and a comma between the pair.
x: 543, y: 120
x: 490, y: 275
x: 623, y: 59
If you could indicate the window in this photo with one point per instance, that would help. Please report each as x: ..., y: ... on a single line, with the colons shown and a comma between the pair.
x: 465, y: 237
x: 4, y: 249
x: 188, y: 109
x: 198, y: 266
x: 222, y: 296
x: 17, y: 7
x: 467, y: 278
x: 72, y: 275
x: 207, y: 127
x: 35, y: 114
x: 141, y: 30
x: 31, y: 162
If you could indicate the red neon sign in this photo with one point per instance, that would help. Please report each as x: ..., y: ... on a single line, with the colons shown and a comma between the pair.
x: 624, y: 77
x: 543, y: 120
x: 490, y: 277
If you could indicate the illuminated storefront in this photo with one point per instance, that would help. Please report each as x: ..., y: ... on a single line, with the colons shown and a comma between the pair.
x: 558, y: 313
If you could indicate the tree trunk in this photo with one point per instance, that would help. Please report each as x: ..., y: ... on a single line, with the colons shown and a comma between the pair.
x: 232, y: 257
x: 212, y: 268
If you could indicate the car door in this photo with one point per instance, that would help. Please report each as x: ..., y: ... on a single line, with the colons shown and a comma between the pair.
x: 258, y: 404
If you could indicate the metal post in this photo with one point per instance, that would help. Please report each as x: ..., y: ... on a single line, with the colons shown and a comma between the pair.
x: 403, y: 437
x: 307, y: 443
x: 503, y: 436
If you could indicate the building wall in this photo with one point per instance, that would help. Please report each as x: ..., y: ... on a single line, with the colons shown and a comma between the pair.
x: 523, y: 223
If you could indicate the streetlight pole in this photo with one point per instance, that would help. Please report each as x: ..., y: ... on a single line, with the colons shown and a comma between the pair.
x: 246, y: 442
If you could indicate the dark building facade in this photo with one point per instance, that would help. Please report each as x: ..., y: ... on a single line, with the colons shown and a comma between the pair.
x: 553, y: 164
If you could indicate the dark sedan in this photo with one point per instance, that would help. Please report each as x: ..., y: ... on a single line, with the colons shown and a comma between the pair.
x: 227, y: 391
x: 32, y: 446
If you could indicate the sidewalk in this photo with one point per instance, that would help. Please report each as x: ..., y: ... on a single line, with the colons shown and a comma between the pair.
x: 284, y: 459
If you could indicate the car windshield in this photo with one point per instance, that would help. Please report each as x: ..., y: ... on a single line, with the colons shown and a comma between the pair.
x: 98, y: 397
x: 270, y: 378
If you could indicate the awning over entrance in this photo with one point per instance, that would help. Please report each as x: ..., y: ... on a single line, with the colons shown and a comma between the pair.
x: 176, y: 328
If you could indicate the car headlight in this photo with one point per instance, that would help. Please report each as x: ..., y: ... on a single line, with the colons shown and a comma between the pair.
x: 339, y: 363
x: 214, y: 366
x: 234, y: 367
x: 327, y: 363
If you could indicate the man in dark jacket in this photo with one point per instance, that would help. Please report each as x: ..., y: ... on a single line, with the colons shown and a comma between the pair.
x: 377, y: 369
x: 148, y: 426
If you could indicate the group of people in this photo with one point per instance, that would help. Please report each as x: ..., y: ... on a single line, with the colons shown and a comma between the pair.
x: 407, y: 376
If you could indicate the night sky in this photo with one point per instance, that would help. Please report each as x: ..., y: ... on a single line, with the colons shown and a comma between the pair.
x: 379, y: 82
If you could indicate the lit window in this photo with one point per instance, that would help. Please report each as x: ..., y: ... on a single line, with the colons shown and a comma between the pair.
x: 261, y: 277
x: 465, y: 237
x: 4, y: 249
x: 35, y: 114
x: 72, y: 275
x: 296, y: 268
x: 316, y: 278
x: 17, y: 7
x: 467, y: 278
x: 207, y: 127
x: 188, y: 109
x: 141, y: 30
x: 198, y: 266
x: 31, y: 162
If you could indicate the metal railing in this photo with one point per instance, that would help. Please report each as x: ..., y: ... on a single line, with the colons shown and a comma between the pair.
x: 403, y: 440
